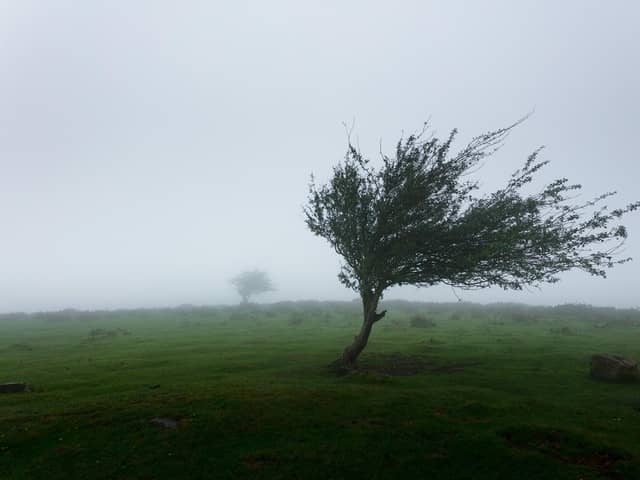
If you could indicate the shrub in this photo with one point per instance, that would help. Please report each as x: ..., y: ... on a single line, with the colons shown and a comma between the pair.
x: 420, y: 321
x: 523, y: 317
x: 563, y: 331
x: 295, y: 320
x: 243, y: 316
x: 98, y: 333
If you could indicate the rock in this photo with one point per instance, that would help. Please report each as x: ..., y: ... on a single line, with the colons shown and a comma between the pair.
x: 165, y: 422
x: 13, y: 387
x: 614, y: 368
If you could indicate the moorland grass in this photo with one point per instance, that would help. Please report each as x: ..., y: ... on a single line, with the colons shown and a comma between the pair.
x: 254, y: 400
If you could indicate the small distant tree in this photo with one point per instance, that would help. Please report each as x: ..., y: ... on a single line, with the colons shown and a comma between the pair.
x: 417, y: 220
x: 252, y: 283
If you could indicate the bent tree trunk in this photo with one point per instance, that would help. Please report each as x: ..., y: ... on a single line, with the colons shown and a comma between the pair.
x: 348, y: 360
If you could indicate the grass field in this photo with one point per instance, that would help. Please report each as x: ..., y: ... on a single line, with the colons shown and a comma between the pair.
x: 486, y: 393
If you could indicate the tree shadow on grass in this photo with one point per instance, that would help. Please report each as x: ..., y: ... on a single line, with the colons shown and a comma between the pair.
x: 398, y: 364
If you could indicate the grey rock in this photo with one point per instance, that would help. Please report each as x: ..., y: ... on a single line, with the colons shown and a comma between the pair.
x: 165, y: 422
x: 614, y: 368
x: 13, y: 387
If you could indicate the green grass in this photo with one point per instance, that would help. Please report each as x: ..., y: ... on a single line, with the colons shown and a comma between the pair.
x: 255, y: 401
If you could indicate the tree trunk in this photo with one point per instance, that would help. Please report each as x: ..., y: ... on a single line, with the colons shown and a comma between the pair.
x: 348, y: 360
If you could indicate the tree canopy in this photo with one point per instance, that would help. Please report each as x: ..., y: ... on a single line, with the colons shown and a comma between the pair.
x: 418, y: 219
x: 251, y: 283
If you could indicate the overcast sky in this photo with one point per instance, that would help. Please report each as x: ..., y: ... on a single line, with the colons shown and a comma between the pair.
x: 150, y: 150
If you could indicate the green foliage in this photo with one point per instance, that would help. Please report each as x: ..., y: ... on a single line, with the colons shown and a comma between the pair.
x: 418, y: 220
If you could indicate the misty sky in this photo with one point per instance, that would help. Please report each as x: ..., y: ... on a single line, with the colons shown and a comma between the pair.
x: 150, y: 150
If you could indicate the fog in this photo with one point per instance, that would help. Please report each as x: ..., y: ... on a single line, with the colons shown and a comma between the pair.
x: 149, y: 151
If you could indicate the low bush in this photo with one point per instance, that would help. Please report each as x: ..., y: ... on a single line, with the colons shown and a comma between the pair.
x: 420, y: 321
x: 98, y: 333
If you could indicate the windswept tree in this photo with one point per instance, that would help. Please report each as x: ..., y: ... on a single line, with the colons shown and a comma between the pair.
x: 418, y: 219
x: 252, y: 282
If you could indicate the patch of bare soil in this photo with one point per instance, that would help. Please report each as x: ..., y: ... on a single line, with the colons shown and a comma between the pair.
x: 568, y: 448
x: 260, y: 460
x: 394, y: 364
x: 364, y: 422
x: 438, y: 453
x: 455, y: 367
x: 398, y: 364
